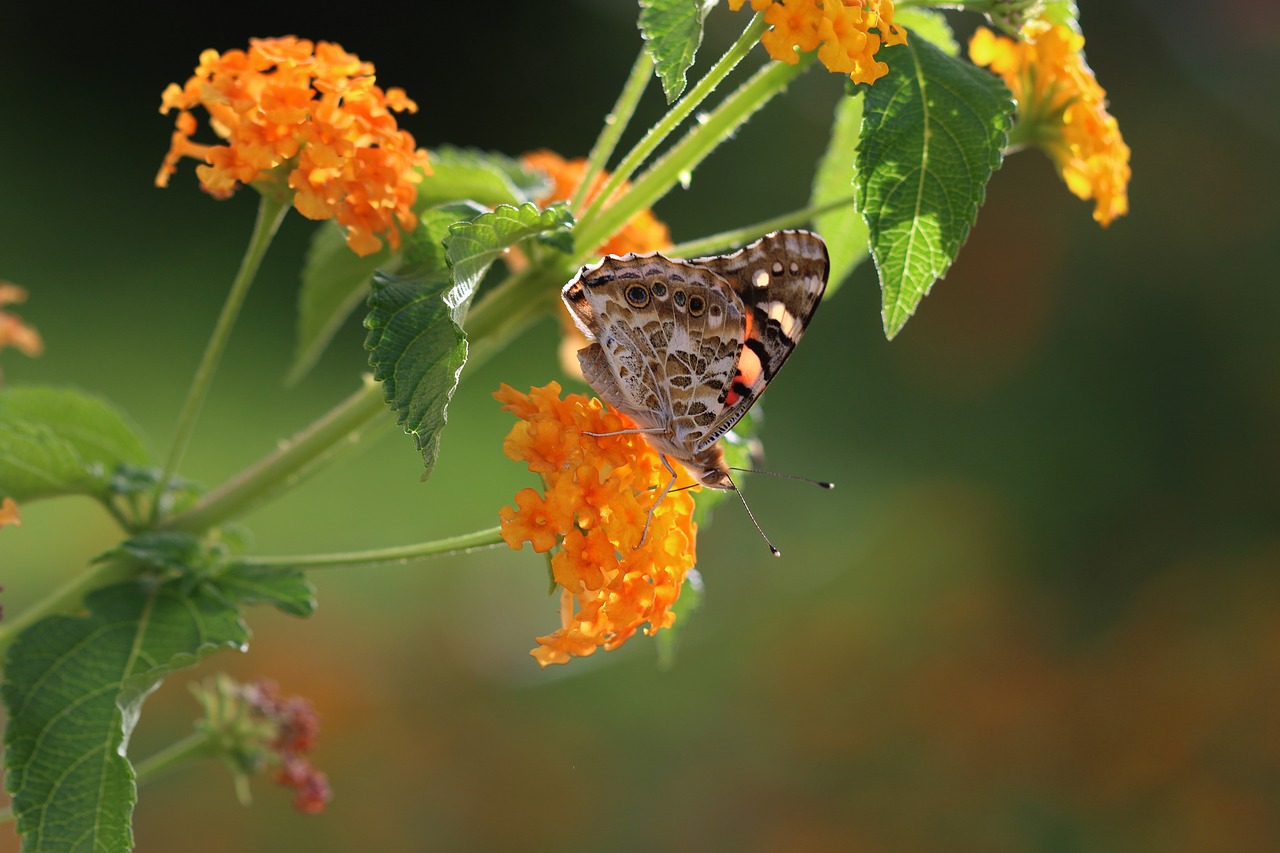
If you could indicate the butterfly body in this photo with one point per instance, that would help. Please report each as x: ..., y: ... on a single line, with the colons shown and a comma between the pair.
x: 685, y: 347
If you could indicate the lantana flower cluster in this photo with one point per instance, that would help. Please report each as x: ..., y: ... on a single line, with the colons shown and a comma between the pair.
x: 846, y: 33
x: 308, y: 115
x: 1063, y: 110
x: 597, y: 493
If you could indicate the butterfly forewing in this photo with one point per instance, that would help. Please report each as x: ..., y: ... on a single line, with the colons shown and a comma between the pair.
x: 685, y: 348
x: 667, y: 341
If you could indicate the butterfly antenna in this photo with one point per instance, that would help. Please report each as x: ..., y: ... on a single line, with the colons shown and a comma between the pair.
x: 752, y: 516
x: 820, y: 483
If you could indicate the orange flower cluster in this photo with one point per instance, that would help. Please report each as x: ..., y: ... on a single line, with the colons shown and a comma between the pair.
x: 310, y: 113
x: 13, y: 331
x: 850, y: 33
x: 598, y: 490
x: 1063, y: 110
x: 643, y: 233
x: 9, y: 513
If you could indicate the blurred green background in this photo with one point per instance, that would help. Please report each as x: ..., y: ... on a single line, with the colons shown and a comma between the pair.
x: 1040, y: 612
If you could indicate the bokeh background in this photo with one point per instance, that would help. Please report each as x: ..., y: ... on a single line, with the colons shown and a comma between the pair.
x: 1040, y: 612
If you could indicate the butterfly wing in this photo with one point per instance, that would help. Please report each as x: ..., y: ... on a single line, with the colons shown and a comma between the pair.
x: 667, y: 336
x: 780, y: 279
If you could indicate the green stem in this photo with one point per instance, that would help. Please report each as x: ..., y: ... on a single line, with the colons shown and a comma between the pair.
x: 614, y: 124
x: 271, y: 211
x: 682, y: 158
x: 191, y: 748
x: 741, y: 236
x: 289, y: 463
x: 503, y: 314
x: 391, y: 556
x: 674, y: 117
x: 65, y: 599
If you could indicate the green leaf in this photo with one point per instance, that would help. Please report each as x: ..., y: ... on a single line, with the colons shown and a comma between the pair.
x: 284, y: 588
x: 459, y: 174
x: 208, y: 562
x: 74, y: 687
x: 934, y: 131
x: 672, y: 32
x: 843, y: 229
x: 59, y: 441
x: 929, y: 25
x: 472, y: 246
x: 334, y: 281
x: 416, y: 343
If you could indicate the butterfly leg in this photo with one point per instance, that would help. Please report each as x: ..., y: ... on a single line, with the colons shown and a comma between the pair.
x: 649, y: 518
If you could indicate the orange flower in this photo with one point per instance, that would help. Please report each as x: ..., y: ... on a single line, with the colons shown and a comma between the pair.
x: 13, y: 331
x: 308, y: 115
x: 598, y: 491
x: 644, y: 232
x: 1063, y: 110
x: 850, y: 33
x: 9, y: 513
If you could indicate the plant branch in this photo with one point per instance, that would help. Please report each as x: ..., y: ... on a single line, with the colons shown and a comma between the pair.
x: 271, y: 211
x: 682, y: 158
x: 669, y: 122
x: 614, y: 124
x: 741, y: 236
x: 400, y: 555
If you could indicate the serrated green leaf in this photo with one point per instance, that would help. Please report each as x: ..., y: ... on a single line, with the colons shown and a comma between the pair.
x: 930, y: 25
x: 74, y: 687
x: 672, y: 33
x: 334, y: 281
x: 416, y: 343
x: 472, y: 246
x: 59, y: 441
x: 843, y: 228
x: 464, y: 174
x: 933, y: 132
x: 166, y: 550
x: 284, y: 588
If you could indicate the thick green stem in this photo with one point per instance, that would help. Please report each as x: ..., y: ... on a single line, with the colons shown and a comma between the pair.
x: 400, y: 555
x: 673, y: 119
x: 614, y: 124
x: 502, y: 315
x: 740, y: 236
x: 292, y: 460
x: 65, y: 599
x: 271, y: 211
x: 680, y: 161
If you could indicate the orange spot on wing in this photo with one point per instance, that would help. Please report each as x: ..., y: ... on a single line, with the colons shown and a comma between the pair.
x: 749, y: 367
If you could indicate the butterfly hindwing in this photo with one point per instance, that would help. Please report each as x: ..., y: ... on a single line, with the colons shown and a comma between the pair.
x: 780, y: 280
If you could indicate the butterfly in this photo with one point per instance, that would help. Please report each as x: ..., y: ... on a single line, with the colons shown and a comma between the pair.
x: 685, y: 347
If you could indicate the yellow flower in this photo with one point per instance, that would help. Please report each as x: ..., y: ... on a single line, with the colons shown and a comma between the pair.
x: 850, y: 33
x: 310, y: 116
x: 9, y: 513
x: 13, y: 331
x: 1063, y: 110
x: 597, y: 494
